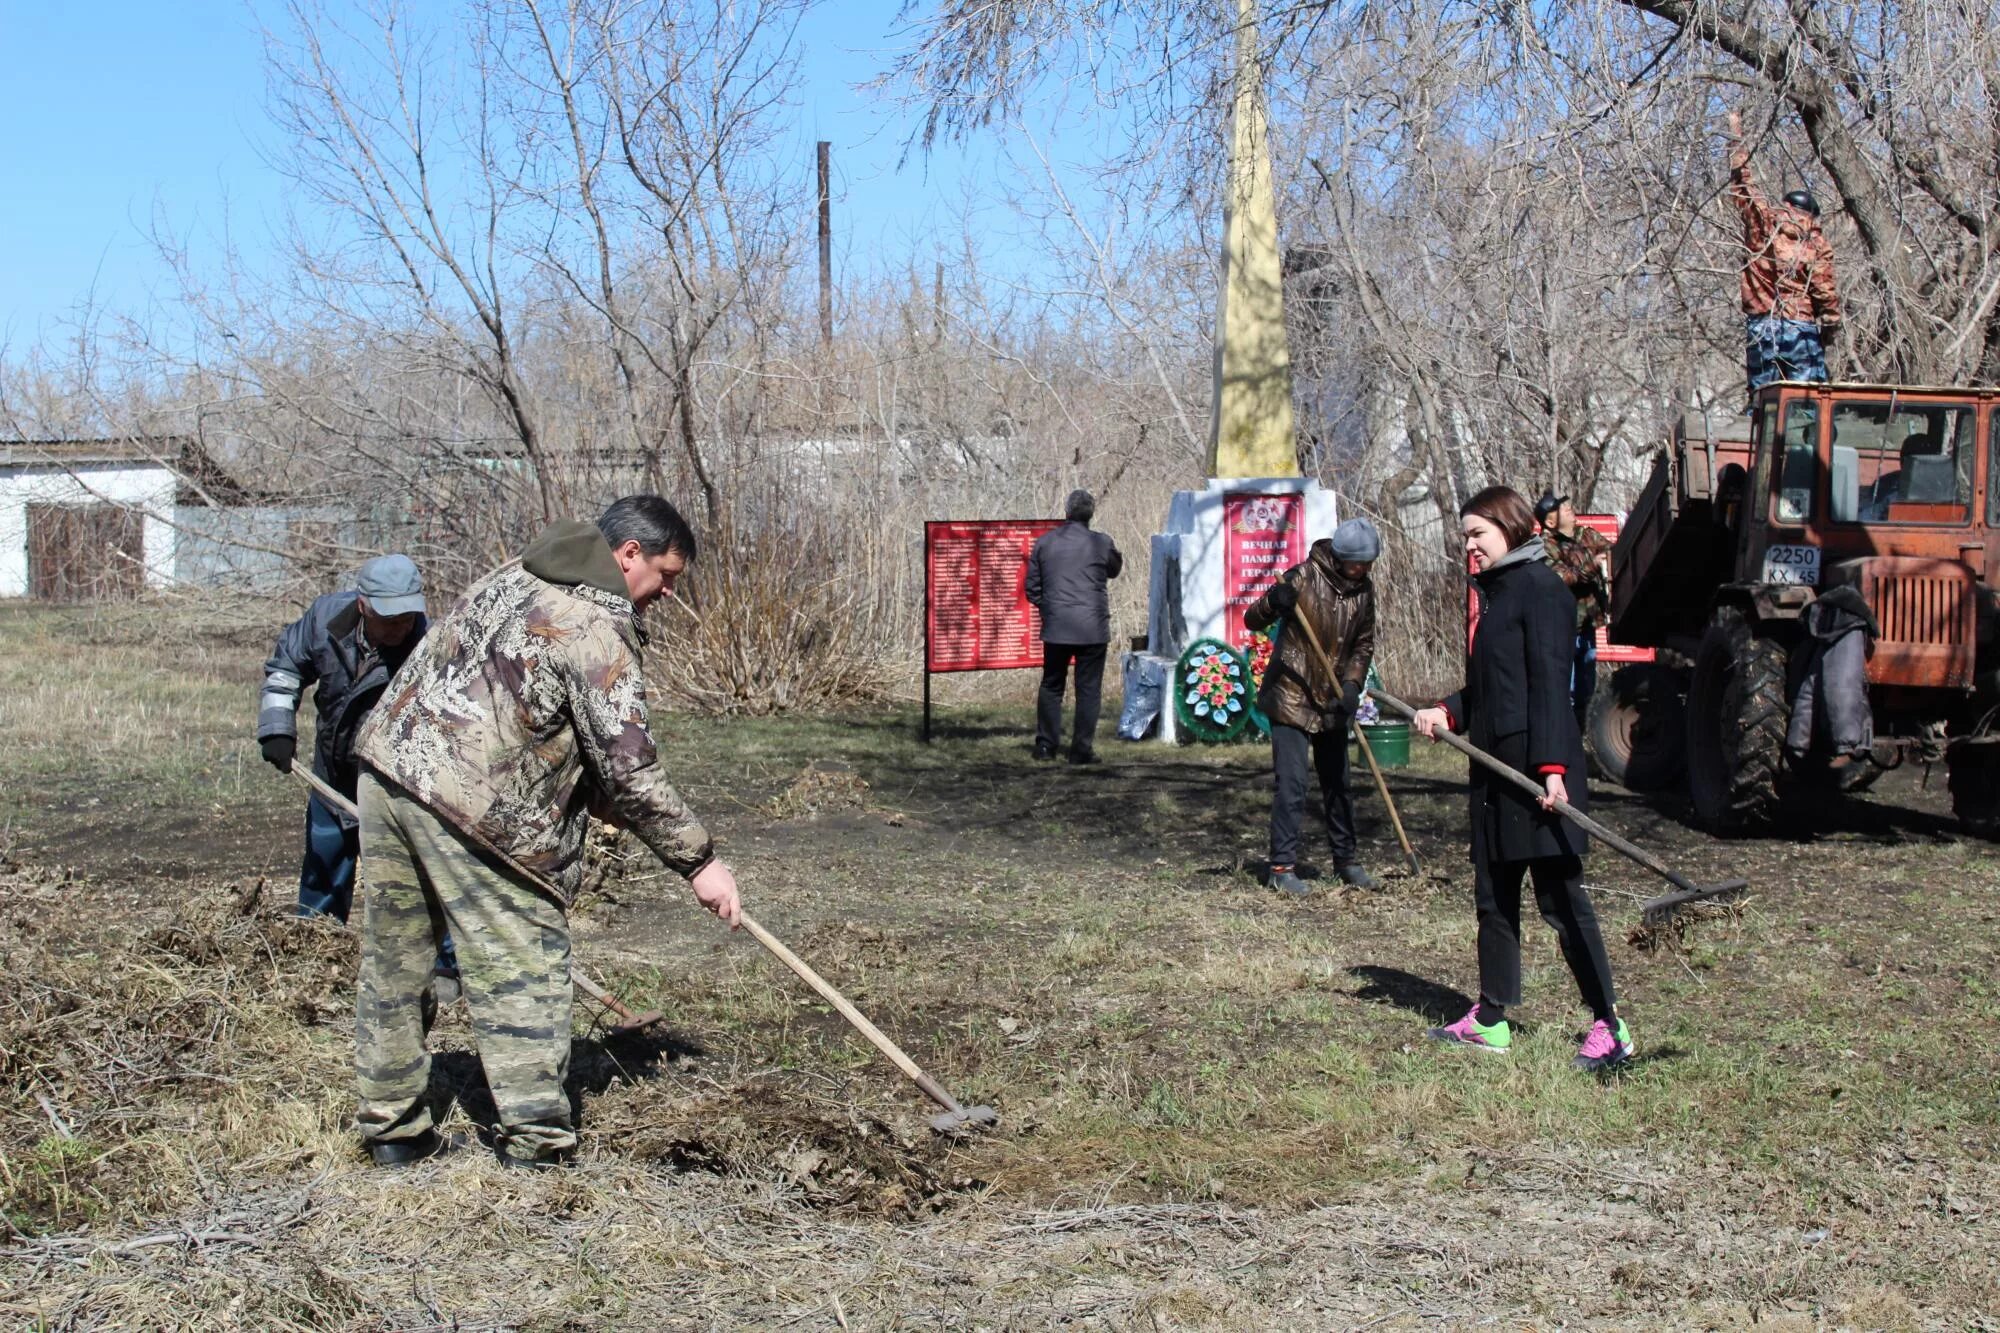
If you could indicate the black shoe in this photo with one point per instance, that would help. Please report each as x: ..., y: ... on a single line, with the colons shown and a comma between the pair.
x: 408, y: 1152
x: 1044, y: 753
x: 1288, y: 882
x: 546, y: 1162
x: 1356, y: 876
x: 1084, y: 757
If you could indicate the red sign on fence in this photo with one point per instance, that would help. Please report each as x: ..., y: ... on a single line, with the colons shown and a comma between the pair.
x: 977, y: 616
x: 1263, y: 536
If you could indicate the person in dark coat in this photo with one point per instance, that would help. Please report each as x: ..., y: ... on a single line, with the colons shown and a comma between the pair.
x: 1515, y: 705
x: 1068, y: 571
x: 1310, y: 710
x: 348, y: 644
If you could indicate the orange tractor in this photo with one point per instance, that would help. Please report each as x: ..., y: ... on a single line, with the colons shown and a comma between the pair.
x: 1894, y: 491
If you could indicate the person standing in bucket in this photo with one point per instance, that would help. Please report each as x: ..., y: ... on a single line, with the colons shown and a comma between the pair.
x: 1068, y: 570
x: 1311, y: 711
x: 1791, y: 308
x: 1515, y: 705
x: 524, y: 713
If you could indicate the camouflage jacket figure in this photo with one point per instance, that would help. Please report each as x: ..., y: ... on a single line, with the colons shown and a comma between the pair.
x: 525, y: 711
x: 1296, y: 692
x: 1581, y: 558
x: 1788, y: 265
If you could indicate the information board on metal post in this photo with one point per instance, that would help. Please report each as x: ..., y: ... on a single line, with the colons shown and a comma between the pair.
x: 977, y: 616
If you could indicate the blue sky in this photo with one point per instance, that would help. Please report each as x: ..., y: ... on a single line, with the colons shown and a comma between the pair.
x: 116, y: 112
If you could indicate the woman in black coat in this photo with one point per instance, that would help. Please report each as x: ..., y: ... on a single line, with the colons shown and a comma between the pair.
x: 1515, y: 705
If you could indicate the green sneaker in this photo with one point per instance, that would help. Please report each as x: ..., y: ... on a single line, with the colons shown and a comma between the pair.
x: 1497, y: 1038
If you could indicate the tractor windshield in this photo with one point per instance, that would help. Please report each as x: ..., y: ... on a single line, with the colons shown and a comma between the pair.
x: 1902, y: 462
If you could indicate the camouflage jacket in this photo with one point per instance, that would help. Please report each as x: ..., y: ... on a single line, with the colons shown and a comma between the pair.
x: 524, y: 712
x: 1582, y: 561
x: 1788, y: 268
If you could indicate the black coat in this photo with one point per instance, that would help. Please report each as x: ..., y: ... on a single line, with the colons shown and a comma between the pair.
x: 1516, y: 706
x: 1067, y: 571
x: 326, y: 647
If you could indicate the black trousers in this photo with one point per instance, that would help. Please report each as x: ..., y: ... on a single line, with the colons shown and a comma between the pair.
x: 1056, y: 659
x: 1565, y: 904
x: 1290, y: 749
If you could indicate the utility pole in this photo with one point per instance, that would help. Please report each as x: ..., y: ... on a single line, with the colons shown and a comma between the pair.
x: 825, y: 244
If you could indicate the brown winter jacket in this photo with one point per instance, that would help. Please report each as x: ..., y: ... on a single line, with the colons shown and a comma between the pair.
x: 1789, y: 269
x: 1296, y: 691
x: 524, y: 711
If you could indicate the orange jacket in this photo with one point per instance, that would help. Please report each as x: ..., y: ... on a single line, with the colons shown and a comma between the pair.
x: 1790, y: 269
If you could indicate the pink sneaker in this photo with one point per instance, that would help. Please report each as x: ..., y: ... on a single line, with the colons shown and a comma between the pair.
x: 1603, y: 1049
x: 1496, y: 1038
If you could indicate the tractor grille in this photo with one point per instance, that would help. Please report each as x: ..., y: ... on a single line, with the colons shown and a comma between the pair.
x: 1918, y: 610
x: 1927, y: 624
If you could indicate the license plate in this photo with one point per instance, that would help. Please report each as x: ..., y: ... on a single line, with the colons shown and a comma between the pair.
x: 1792, y: 564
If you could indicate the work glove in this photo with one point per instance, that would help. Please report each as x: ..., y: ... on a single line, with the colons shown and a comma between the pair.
x: 1350, y: 698
x: 279, y: 750
x: 1284, y: 598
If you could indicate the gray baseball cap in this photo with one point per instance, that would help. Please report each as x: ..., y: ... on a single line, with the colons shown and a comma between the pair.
x: 392, y: 585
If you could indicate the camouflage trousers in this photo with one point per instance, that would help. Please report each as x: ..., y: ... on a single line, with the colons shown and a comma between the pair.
x: 1782, y: 349
x: 421, y: 877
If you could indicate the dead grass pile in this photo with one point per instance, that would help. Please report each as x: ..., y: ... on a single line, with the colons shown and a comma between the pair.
x: 127, y: 1060
x: 818, y: 791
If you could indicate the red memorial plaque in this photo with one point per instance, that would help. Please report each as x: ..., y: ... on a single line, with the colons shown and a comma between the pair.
x: 976, y: 604
x: 1264, y: 535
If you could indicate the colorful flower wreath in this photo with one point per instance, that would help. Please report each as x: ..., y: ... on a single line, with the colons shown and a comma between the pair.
x: 1212, y: 691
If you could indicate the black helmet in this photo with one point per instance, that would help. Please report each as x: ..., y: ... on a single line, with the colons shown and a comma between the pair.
x: 1803, y: 201
x: 1548, y: 504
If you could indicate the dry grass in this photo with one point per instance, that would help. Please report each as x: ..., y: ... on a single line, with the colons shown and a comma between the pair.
x: 1218, y: 1110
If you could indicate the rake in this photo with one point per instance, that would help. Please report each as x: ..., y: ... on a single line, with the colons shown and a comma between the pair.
x: 1655, y: 911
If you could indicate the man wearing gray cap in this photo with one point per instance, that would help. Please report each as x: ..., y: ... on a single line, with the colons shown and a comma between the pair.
x: 349, y: 644
x: 1310, y: 709
x: 1068, y: 570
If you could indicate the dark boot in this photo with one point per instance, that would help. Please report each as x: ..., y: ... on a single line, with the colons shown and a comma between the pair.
x: 408, y: 1152
x: 1357, y: 877
x: 1288, y: 882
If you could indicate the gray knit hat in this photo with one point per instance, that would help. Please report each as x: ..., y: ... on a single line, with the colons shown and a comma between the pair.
x: 1357, y: 540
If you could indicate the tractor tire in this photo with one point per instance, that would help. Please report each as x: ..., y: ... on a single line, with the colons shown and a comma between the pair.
x: 1737, y: 712
x: 1637, y: 731
x: 1974, y: 778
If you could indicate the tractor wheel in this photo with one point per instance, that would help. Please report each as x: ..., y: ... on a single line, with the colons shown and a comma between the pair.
x: 1974, y: 779
x: 1637, y: 733
x: 1736, y: 718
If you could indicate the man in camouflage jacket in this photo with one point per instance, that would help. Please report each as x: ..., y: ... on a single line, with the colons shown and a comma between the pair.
x: 1582, y: 556
x: 524, y: 712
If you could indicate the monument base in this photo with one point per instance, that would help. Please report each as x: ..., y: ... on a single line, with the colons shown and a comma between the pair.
x: 1223, y: 546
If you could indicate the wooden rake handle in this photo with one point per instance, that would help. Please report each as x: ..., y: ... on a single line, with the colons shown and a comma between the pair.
x: 855, y: 1017
x: 1367, y: 751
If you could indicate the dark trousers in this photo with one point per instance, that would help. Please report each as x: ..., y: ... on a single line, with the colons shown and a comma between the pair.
x: 1056, y: 659
x: 1583, y: 677
x: 1559, y: 892
x: 1290, y: 749
x: 326, y: 878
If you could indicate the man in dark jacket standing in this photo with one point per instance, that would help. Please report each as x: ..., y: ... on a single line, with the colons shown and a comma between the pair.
x: 349, y: 644
x: 1310, y: 709
x: 1067, y: 573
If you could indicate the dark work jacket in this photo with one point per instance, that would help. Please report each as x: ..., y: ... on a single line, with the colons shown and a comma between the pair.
x: 1067, y: 572
x: 1515, y: 705
x: 1296, y: 692
x: 326, y: 646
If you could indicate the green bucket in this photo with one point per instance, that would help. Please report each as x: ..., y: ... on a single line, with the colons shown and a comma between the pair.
x: 1390, y: 742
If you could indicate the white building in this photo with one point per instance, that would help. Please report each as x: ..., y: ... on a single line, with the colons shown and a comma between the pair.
x: 84, y: 519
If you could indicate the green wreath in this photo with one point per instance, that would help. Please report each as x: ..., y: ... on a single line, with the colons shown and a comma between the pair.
x: 1212, y: 692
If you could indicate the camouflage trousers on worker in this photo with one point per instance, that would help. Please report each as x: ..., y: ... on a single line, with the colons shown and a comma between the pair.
x: 421, y: 877
x: 1782, y: 349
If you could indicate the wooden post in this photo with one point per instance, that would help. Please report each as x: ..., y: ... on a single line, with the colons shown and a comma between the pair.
x: 825, y: 244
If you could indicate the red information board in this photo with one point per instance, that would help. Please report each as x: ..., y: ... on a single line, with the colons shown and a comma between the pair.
x: 1263, y: 536
x: 977, y: 616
